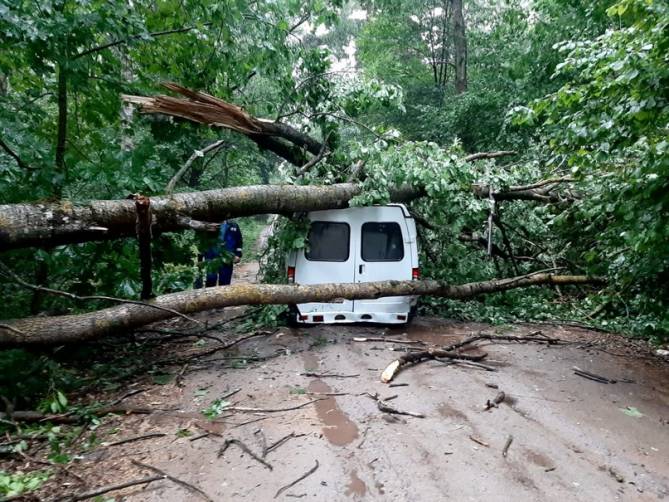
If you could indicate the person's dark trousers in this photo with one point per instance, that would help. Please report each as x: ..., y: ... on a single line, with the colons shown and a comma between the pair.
x: 223, y: 278
x: 225, y: 275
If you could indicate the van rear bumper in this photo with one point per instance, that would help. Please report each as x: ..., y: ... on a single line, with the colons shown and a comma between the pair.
x: 351, y: 317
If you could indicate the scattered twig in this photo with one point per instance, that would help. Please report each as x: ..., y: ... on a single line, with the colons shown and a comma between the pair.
x: 200, y: 436
x: 178, y: 481
x: 473, y: 364
x: 592, y: 376
x: 537, y: 337
x: 492, y: 385
x: 328, y: 375
x: 415, y: 357
x: 478, y: 441
x: 137, y: 438
x: 387, y: 340
x: 125, y: 396
x: 223, y: 347
x: 230, y: 394
x: 271, y: 410
x: 245, y: 449
x: 110, y: 488
x: 499, y: 398
x: 330, y: 394
x: 505, y: 450
x: 249, y: 422
x: 302, y: 477
x: 386, y: 408
x: 281, y: 441
x: 398, y: 385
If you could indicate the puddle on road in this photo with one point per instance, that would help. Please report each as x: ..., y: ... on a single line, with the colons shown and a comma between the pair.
x: 357, y: 486
x: 338, y: 429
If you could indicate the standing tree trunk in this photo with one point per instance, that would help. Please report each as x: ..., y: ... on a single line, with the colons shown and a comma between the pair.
x: 61, y: 135
x: 459, y: 47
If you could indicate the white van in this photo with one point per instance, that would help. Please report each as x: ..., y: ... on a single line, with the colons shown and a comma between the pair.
x: 358, y: 244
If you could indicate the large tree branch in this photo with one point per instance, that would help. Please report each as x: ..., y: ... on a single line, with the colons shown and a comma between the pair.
x: 55, y: 223
x: 206, y: 109
x: 92, y: 325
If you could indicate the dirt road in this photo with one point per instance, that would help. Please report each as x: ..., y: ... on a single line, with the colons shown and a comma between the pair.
x: 573, y: 439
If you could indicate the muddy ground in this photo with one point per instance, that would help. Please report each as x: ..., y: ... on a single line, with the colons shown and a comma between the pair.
x: 573, y: 438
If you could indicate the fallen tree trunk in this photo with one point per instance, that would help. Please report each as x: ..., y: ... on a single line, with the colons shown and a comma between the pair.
x: 55, y: 223
x: 92, y: 325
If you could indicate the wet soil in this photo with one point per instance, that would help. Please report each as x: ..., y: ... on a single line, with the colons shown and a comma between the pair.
x: 573, y: 439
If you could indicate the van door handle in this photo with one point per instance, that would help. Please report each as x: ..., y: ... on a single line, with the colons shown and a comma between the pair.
x: 361, y: 268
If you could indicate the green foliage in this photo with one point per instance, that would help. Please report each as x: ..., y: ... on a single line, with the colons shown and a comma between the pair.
x: 608, y: 124
x: 26, y: 377
x: 216, y: 408
x: 19, y: 483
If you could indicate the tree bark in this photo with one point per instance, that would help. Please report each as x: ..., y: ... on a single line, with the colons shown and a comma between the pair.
x: 459, y: 47
x: 282, y: 139
x: 93, y: 325
x: 143, y: 230
x: 56, y: 223
x: 61, y: 135
x: 50, y: 224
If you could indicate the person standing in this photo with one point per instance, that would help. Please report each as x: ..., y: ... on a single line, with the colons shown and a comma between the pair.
x: 221, y: 255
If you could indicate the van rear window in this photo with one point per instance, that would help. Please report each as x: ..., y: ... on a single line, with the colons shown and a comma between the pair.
x: 328, y: 241
x: 382, y: 242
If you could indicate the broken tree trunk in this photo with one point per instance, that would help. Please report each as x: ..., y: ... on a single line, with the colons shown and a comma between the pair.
x: 282, y: 139
x: 143, y: 231
x: 92, y: 325
x: 55, y: 223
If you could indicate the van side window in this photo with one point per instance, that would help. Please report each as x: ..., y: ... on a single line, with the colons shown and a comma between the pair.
x: 328, y: 241
x: 382, y: 242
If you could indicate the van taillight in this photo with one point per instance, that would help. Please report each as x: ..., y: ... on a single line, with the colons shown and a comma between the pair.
x: 291, y: 275
x: 415, y: 274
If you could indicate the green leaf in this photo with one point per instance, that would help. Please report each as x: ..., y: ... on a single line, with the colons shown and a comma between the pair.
x: 631, y: 411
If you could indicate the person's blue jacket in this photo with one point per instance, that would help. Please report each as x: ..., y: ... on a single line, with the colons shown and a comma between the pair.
x: 229, y: 239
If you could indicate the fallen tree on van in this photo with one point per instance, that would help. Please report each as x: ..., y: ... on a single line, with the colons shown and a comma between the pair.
x: 54, y: 223
x: 94, y: 325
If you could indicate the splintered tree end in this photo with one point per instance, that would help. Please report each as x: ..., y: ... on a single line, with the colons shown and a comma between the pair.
x: 390, y: 371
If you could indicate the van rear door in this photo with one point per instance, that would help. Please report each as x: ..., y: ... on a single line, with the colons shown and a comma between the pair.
x: 384, y: 252
x: 329, y: 258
